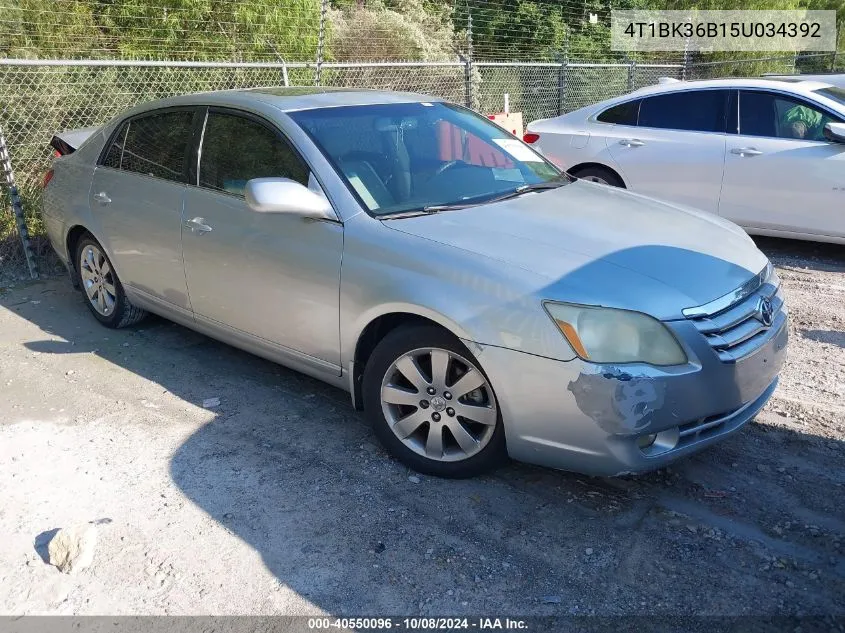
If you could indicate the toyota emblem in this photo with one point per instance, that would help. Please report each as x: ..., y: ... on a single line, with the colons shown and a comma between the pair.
x: 765, y: 313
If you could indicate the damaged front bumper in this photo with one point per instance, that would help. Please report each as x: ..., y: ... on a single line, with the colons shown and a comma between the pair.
x: 599, y: 419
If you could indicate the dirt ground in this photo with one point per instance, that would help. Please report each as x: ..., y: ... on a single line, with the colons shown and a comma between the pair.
x: 279, y: 501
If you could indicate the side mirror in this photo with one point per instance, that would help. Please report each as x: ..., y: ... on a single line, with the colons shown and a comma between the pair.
x: 835, y: 132
x: 282, y: 195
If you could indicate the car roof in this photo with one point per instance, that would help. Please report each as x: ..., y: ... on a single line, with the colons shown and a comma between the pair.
x: 794, y: 83
x: 288, y: 99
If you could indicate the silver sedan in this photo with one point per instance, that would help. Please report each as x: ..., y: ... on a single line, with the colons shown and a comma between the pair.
x: 475, y: 301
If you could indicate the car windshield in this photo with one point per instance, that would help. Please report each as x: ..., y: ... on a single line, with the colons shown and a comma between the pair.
x: 833, y: 93
x: 403, y: 157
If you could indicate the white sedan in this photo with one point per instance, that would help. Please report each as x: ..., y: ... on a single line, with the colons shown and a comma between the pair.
x: 768, y: 154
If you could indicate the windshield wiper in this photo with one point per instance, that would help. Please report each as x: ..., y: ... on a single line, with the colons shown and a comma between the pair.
x: 436, y: 208
x: 537, y: 186
x: 413, y: 213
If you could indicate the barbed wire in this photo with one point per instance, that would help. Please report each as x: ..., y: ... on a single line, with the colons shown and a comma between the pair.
x: 272, y: 30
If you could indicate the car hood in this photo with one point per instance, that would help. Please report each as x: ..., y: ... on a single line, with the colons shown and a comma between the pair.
x: 599, y: 245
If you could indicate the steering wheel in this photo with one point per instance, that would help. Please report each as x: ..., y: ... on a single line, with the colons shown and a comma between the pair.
x: 374, y: 159
x: 447, y: 165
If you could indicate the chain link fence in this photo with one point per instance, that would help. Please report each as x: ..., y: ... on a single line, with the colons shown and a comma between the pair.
x: 41, y: 97
x: 807, y: 64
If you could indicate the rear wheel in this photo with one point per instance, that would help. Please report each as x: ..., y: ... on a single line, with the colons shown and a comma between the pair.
x: 431, y: 405
x: 102, y: 288
x: 600, y: 175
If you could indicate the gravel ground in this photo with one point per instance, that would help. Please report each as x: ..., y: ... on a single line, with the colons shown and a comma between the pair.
x: 280, y: 500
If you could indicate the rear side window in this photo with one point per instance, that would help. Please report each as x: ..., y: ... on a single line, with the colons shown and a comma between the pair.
x: 236, y: 149
x: 155, y: 145
x: 692, y: 110
x: 621, y: 114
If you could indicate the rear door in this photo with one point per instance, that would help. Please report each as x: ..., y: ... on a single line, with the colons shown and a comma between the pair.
x: 136, y: 198
x: 780, y: 171
x: 676, y: 152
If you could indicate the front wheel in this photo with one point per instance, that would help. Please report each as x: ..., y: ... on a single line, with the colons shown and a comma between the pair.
x: 600, y: 175
x: 103, y: 290
x: 431, y: 405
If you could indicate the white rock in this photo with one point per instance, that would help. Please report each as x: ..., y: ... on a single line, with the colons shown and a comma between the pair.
x: 72, y: 548
x: 414, y: 479
x: 209, y: 403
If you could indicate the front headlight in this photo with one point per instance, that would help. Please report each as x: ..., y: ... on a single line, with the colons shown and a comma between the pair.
x: 608, y: 335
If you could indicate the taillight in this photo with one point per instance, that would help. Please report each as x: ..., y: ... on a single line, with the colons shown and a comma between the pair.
x: 48, y: 177
x: 530, y: 137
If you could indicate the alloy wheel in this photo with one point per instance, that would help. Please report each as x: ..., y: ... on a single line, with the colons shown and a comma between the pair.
x: 439, y: 404
x: 98, y: 280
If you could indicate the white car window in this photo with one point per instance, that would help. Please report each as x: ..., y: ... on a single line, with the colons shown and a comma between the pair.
x: 690, y: 110
x: 778, y: 116
x: 621, y: 114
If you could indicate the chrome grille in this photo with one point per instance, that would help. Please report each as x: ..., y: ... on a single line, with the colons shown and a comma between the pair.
x: 737, y: 324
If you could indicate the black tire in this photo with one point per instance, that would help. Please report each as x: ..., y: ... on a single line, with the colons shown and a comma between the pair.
x: 396, y: 344
x: 599, y: 174
x: 124, y: 313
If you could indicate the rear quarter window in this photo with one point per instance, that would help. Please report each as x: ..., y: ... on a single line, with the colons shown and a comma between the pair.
x: 621, y: 114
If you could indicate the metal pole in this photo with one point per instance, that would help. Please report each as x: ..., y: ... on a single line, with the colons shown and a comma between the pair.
x: 324, y: 7
x: 561, y: 87
x: 285, y: 78
x: 468, y: 63
x: 631, y: 66
x: 685, y: 67
x: 17, y: 207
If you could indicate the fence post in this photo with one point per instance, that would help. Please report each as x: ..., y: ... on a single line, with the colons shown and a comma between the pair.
x: 17, y: 208
x: 561, y: 86
x: 468, y: 64
x: 631, y: 67
x: 685, y: 68
x: 324, y: 7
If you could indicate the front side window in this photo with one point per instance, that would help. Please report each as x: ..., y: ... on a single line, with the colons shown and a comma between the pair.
x: 778, y: 116
x: 157, y: 145
x: 406, y: 156
x: 690, y: 110
x: 236, y: 149
x: 621, y: 114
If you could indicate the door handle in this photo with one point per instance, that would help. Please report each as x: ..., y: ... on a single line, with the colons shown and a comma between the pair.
x: 102, y: 198
x: 631, y: 142
x: 197, y: 225
x: 746, y: 151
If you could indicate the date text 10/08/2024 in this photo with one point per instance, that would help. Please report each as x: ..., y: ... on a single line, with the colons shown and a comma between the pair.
x: 417, y: 624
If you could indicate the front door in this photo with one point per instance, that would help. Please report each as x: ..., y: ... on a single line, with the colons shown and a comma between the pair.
x: 780, y: 172
x: 275, y: 277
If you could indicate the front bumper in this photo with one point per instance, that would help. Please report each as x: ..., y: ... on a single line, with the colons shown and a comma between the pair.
x: 585, y: 417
